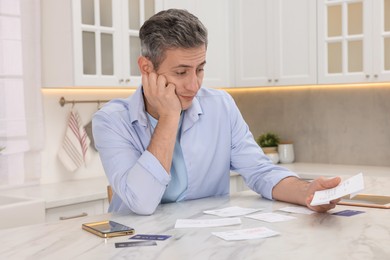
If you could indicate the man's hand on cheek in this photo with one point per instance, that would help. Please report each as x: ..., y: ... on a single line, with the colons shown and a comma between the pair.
x: 160, y: 95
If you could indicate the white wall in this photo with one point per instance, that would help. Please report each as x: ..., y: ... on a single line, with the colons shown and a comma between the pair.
x: 328, y: 124
x: 56, y: 118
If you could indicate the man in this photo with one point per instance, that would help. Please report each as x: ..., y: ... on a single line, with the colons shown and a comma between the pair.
x: 173, y: 140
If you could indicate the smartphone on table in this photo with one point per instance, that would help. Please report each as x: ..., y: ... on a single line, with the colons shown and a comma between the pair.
x: 108, y: 229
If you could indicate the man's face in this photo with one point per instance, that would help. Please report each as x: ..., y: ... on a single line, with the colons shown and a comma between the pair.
x: 184, y: 68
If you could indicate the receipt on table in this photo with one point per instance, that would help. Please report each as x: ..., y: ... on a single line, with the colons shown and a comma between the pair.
x: 350, y: 187
x: 244, y: 234
x: 271, y: 217
x: 198, y: 223
x: 231, y: 211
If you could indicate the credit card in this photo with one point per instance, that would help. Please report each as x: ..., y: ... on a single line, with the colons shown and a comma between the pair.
x: 347, y: 213
x: 150, y: 237
x: 135, y: 243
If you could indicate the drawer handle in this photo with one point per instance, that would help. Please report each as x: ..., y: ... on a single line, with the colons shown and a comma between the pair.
x: 76, y: 216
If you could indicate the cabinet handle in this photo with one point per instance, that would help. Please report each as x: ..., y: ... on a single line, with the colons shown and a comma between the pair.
x: 121, y: 81
x: 367, y: 76
x: 270, y: 80
x: 276, y: 80
x: 376, y: 75
x: 75, y: 216
x: 127, y: 80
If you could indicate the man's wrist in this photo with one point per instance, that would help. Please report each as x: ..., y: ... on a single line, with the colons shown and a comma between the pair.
x: 291, y: 189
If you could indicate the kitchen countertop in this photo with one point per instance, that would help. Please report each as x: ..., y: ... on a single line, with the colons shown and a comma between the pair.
x: 311, y: 171
x: 78, y: 191
x: 308, y: 170
x: 64, y: 193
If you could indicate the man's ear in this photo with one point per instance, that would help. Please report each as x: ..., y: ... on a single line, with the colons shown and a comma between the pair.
x: 145, y: 65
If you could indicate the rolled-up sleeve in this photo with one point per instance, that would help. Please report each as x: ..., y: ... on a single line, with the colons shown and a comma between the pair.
x: 135, y: 175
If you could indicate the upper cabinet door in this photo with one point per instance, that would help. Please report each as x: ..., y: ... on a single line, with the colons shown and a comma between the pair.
x: 275, y: 42
x: 92, y: 43
x: 215, y: 15
x: 353, y: 41
x: 253, y: 44
x: 96, y: 42
x: 381, y: 40
x: 106, y: 40
x: 295, y: 41
x: 134, y: 14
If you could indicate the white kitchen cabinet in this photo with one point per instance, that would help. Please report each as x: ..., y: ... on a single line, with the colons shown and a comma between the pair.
x: 275, y: 42
x: 353, y: 41
x: 216, y: 16
x: 77, y: 210
x: 92, y: 43
x: 237, y: 183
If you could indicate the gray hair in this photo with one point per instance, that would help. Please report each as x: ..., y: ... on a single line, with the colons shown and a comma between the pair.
x: 170, y: 29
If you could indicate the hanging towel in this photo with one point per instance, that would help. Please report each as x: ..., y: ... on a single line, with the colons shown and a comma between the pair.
x: 88, y: 129
x: 74, y: 149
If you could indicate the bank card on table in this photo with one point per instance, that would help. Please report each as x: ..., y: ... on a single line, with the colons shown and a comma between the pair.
x: 347, y: 213
x: 135, y: 243
x: 150, y: 237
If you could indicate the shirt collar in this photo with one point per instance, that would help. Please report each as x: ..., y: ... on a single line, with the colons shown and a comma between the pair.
x: 137, y: 110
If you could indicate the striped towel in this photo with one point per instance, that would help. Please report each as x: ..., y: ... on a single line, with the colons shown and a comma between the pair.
x: 74, y: 149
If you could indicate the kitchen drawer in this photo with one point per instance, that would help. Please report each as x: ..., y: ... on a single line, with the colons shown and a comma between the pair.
x: 89, y: 208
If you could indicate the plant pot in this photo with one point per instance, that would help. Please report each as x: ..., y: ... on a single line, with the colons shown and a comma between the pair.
x: 286, y: 153
x: 270, y: 149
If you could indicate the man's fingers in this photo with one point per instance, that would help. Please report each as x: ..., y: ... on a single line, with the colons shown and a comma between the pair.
x: 161, y: 81
x: 331, y: 183
x: 335, y: 201
x: 171, y: 86
x: 321, y: 184
x: 309, y: 199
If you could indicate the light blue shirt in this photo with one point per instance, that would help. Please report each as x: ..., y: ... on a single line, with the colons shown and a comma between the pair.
x: 214, y: 140
x: 178, y: 184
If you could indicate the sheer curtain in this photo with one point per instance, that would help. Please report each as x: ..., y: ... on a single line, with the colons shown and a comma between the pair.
x: 21, y: 112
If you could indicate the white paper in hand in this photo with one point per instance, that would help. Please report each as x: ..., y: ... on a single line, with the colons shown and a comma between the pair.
x: 351, y: 187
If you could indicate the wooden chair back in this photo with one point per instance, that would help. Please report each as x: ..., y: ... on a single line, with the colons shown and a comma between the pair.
x: 109, y: 193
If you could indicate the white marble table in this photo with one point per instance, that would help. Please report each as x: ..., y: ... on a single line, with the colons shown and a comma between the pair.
x: 316, y: 236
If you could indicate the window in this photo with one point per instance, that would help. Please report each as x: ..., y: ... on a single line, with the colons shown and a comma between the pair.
x: 21, y: 117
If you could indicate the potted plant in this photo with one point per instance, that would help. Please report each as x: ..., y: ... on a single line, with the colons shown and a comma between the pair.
x: 268, y: 142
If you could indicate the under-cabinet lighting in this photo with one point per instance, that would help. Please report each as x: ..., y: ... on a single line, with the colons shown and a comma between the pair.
x: 128, y: 91
x: 366, y: 86
x: 109, y: 91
